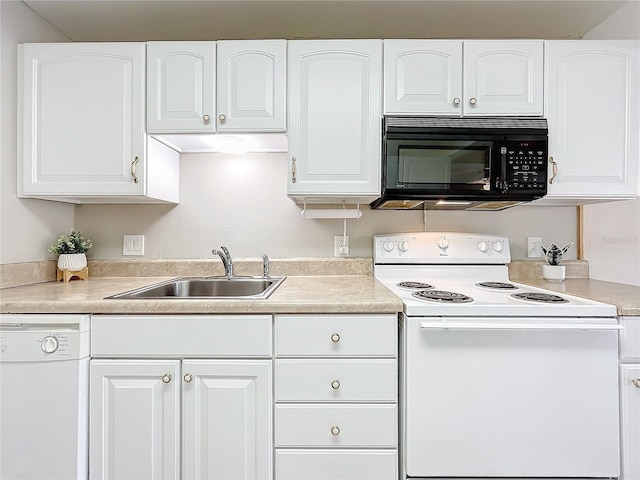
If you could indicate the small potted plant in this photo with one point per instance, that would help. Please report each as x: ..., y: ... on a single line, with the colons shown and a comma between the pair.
x: 553, y: 256
x: 71, y: 248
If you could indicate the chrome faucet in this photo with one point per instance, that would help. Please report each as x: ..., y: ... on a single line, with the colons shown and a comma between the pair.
x: 265, y: 266
x: 227, y: 261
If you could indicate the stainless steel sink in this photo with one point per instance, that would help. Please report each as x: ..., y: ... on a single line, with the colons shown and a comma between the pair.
x: 206, y: 287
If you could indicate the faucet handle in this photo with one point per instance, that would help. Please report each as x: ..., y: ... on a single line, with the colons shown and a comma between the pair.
x: 265, y: 266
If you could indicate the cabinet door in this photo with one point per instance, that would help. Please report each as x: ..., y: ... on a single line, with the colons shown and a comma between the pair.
x: 134, y: 419
x: 592, y: 109
x: 82, y: 110
x: 181, y: 87
x: 630, y: 419
x: 227, y: 420
x: 503, y: 77
x: 252, y: 86
x: 423, y: 77
x: 334, y: 118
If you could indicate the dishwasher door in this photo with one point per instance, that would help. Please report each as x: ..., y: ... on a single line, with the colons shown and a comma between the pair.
x: 44, y: 375
x: 531, y: 398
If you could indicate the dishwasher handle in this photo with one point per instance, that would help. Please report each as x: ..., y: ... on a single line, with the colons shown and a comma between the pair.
x: 519, y: 326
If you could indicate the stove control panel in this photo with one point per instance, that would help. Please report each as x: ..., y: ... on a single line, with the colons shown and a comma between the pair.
x: 441, y: 248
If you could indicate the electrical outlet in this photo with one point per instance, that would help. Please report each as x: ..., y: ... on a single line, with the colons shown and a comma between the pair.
x: 534, y: 250
x: 341, y: 246
x: 133, y: 245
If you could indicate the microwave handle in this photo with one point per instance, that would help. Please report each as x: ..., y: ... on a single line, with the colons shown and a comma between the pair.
x: 501, y: 181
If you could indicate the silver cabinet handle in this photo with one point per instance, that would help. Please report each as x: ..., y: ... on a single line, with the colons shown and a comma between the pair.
x: 636, y: 382
x: 473, y: 101
x: 206, y: 118
x: 166, y: 378
x: 222, y: 117
x: 335, y: 338
x: 188, y: 377
x: 554, y: 169
x: 335, y: 384
x: 133, y: 169
x: 293, y: 169
x: 456, y: 101
x: 335, y: 430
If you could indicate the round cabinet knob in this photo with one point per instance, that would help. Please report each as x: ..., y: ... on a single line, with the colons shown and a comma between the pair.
x: 473, y: 101
x: 335, y: 430
x: 388, y: 245
x: 636, y: 382
x: 483, y: 246
x: 335, y: 384
x: 206, y: 118
x: 498, y: 246
x: 335, y: 338
x: 188, y: 377
x: 403, y: 246
x: 49, y: 344
x: 222, y: 117
x: 456, y: 101
x: 443, y: 243
x: 166, y: 378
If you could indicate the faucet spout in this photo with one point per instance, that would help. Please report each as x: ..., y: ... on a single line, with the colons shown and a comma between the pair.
x: 227, y: 261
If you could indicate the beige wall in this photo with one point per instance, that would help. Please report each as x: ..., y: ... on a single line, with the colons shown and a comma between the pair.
x: 612, y: 230
x: 27, y: 227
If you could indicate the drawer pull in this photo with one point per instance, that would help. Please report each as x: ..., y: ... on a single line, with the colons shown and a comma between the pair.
x: 335, y: 384
x: 166, y: 378
x: 335, y: 430
x: 335, y: 338
x: 636, y: 382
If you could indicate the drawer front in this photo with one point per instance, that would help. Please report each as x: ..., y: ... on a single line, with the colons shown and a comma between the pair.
x: 630, y: 338
x: 328, y: 380
x: 336, y: 425
x: 336, y: 335
x: 336, y: 465
x: 177, y: 336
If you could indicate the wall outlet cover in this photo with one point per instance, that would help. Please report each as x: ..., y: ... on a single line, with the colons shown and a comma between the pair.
x: 340, y: 246
x: 133, y: 245
x: 534, y: 249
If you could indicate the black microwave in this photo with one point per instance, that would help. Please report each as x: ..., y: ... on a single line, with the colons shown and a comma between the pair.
x: 462, y: 163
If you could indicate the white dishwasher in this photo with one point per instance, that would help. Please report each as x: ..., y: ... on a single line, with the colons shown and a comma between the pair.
x: 44, y: 376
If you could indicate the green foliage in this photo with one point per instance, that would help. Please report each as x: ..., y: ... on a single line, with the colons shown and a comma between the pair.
x: 72, y: 242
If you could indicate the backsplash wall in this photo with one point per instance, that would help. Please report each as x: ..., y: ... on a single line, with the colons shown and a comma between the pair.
x: 241, y: 202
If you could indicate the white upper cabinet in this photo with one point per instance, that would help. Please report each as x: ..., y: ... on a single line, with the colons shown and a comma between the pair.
x: 181, y: 87
x: 592, y: 108
x: 474, y: 77
x: 81, y: 135
x: 335, y: 119
x: 252, y: 85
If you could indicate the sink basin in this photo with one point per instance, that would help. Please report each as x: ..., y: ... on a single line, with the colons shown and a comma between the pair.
x: 206, y: 287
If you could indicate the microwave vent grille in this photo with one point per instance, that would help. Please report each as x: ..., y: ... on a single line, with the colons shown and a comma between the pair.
x: 475, y: 123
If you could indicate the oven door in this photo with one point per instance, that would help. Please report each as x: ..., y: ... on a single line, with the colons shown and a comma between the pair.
x: 520, y: 398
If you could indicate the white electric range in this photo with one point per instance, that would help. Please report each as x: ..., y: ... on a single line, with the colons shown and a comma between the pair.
x: 497, y: 379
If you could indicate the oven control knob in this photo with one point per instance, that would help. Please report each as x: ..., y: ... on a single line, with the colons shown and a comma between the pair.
x: 49, y: 344
x: 498, y: 246
x: 483, y: 246
x: 387, y: 245
x: 403, y: 246
x: 443, y: 243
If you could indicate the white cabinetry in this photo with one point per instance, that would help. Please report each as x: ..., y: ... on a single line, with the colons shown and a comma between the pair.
x: 336, y: 397
x: 474, y: 77
x: 183, y: 416
x: 593, y: 108
x: 82, y: 137
x: 630, y: 397
x: 334, y: 120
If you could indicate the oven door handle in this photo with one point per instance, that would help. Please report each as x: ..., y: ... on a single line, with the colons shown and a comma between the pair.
x: 519, y: 326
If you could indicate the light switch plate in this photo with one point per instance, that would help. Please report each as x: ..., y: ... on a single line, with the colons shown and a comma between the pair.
x: 133, y: 245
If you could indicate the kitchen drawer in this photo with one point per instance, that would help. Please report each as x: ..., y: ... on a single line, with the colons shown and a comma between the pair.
x: 336, y: 425
x: 329, y: 380
x: 178, y: 336
x: 630, y: 338
x: 336, y: 335
x: 336, y: 464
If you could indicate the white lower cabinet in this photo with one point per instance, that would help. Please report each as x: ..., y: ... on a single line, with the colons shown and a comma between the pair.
x: 630, y: 397
x: 336, y: 413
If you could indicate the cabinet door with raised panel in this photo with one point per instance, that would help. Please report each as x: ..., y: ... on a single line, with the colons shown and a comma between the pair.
x: 134, y: 419
x: 593, y: 111
x: 630, y: 420
x: 335, y: 118
x: 82, y: 116
x: 252, y: 85
x: 181, y: 87
x: 423, y: 77
x: 503, y: 77
x: 227, y: 419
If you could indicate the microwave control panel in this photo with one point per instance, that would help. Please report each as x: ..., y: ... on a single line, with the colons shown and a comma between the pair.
x: 525, y: 165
